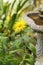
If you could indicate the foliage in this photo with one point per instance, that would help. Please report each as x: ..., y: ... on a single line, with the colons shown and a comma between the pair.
x: 15, y: 47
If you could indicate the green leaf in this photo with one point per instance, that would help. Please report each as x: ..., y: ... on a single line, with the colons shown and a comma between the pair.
x: 12, y: 21
x: 1, y: 6
x: 3, y: 40
x: 29, y: 61
x: 32, y: 48
x: 18, y: 42
x: 17, y: 6
x: 12, y: 6
x: 25, y: 37
x: 6, y: 7
x: 1, y: 23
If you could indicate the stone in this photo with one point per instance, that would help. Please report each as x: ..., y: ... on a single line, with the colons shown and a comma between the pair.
x: 38, y: 29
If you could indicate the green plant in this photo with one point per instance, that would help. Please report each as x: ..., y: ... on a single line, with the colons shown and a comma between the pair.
x: 15, y: 45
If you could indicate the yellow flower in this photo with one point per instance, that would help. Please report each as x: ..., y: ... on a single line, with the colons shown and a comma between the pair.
x: 19, y: 26
x: 8, y: 17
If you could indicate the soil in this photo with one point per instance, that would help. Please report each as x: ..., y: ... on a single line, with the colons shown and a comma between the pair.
x: 38, y: 20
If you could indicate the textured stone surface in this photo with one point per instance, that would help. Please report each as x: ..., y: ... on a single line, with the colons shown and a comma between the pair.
x: 32, y: 23
x: 39, y: 46
x: 39, y: 30
x: 39, y: 61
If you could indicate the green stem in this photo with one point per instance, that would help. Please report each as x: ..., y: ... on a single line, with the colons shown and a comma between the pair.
x: 3, y: 51
x: 22, y: 60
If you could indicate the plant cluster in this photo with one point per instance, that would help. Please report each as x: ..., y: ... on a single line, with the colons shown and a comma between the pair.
x: 16, y: 47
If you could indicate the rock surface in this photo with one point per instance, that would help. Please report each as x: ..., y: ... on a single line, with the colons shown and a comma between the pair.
x: 39, y: 61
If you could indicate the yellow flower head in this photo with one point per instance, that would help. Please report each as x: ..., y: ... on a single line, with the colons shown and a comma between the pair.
x: 19, y: 26
x: 8, y: 17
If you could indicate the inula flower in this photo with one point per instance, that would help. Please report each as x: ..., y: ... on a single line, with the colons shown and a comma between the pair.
x: 8, y: 18
x: 19, y: 26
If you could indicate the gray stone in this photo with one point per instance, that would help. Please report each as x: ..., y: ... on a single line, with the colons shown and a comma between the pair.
x: 39, y: 31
